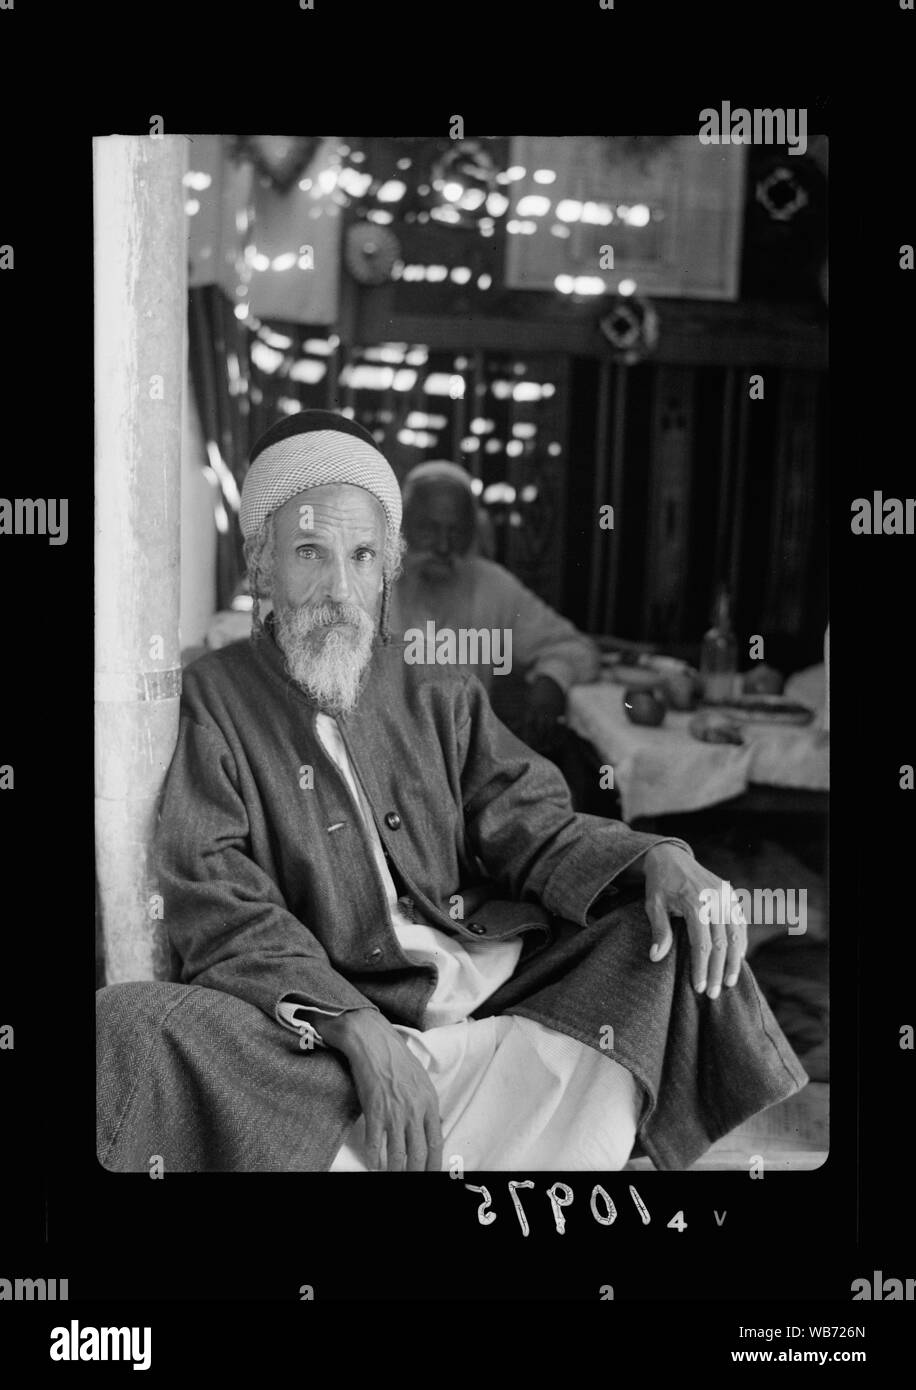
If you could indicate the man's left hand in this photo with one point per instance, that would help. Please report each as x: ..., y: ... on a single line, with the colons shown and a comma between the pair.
x: 676, y: 885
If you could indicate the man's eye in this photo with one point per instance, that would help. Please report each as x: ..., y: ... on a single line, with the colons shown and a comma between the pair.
x: 365, y: 553
x: 305, y: 550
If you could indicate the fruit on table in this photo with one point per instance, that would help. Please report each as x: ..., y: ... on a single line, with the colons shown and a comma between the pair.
x: 682, y: 689
x: 763, y: 680
x: 644, y: 706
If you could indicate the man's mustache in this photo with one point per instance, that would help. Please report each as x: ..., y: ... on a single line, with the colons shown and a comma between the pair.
x: 308, y: 617
x: 429, y: 557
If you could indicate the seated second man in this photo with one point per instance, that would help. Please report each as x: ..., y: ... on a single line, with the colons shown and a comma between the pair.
x: 445, y: 581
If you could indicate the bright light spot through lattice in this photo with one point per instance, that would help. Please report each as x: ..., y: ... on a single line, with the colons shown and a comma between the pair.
x: 444, y: 384
x: 497, y: 204
x: 366, y: 378
x: 499, y: 492
x: 639, y: 215
x: 309, y: 371
x: 533, y: 206
x: 419, y: 420
x: 265, y: 358
x: 276, y: 340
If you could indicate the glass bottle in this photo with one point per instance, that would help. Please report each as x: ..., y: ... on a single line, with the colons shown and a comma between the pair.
x: 719, y: 652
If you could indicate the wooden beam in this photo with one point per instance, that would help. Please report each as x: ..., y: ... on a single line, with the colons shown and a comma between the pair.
x: 692, y: 332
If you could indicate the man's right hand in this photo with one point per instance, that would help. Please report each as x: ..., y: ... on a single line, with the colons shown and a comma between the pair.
x: 399, y: 1103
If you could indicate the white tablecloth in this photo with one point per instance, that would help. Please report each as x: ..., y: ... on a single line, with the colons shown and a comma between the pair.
x: 664, y: 770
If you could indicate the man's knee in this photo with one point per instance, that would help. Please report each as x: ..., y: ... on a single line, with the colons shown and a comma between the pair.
x: 135, y: 1010
x: 129, y: 1017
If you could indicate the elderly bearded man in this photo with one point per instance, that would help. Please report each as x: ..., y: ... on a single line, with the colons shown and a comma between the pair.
x: 399, y: 945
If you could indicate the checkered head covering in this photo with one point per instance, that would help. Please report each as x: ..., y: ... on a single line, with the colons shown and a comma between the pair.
x: 311, y: 449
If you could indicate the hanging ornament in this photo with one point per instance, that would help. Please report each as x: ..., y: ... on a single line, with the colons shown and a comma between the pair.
x: 463, y: 178
x: 785, y: 237
x: 631, y: 327
x: 641, y: 149
x: 370, y: 252
x: 781, y: 193
x: 280, y: 158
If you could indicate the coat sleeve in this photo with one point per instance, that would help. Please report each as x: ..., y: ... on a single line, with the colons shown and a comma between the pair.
x: 546, y: 644
x: 225, y: 916
x: 520, y: 822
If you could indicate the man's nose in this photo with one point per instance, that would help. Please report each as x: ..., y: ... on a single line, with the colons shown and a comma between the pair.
x: 338, y: 581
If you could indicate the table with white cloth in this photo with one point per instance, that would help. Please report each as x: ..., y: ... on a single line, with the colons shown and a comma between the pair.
x: 664, y: 770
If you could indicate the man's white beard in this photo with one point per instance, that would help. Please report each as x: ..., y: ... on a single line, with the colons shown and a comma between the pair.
x: 326, y: 662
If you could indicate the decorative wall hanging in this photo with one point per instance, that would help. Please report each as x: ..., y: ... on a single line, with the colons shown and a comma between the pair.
x: 370, y: 252
x: 631, y: 328
x: 588, y: 212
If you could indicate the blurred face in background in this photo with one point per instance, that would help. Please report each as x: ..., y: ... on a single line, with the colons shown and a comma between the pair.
x: 439, y: 525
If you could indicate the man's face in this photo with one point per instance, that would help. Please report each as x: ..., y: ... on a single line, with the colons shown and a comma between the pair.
x: 326, y: 588
x: 438, y: 528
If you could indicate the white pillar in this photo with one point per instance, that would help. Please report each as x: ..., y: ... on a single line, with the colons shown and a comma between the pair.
x: 140, y: 362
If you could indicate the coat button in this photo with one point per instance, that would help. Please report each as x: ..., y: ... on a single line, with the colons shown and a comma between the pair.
x: 477, y: 929
x: 393, y: 820
x: 374, y: 955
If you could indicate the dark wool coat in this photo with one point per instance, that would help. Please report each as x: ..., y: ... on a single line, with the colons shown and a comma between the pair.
x: 270, y: 891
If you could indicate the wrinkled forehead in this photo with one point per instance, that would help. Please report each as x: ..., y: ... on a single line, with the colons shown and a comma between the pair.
x: 331, y: 508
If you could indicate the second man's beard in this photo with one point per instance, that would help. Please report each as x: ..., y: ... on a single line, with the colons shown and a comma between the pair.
x: 327, y: 662
x: 432, y: 569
